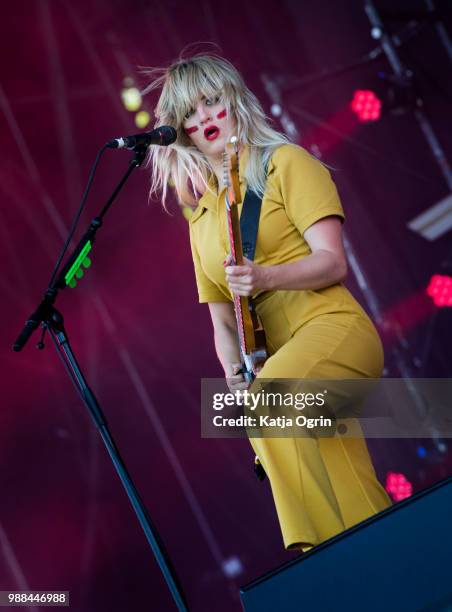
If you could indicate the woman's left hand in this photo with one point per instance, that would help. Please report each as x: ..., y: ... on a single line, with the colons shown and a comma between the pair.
x: 247, y: 279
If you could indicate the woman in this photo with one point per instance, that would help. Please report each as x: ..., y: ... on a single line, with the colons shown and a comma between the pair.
x: 314, y: 327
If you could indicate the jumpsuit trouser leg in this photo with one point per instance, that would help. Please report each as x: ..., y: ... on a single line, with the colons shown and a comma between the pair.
x: 323, y: 485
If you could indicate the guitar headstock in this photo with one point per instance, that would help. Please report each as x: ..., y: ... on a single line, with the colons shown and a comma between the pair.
x: 231, y: 171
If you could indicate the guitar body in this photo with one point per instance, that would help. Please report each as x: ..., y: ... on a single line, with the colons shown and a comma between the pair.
x: 250, y: 330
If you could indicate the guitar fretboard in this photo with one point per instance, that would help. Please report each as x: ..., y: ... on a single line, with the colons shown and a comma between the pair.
x: 237, y: 302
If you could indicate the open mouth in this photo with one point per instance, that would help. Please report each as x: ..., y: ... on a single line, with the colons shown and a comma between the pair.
x: 211, y: 132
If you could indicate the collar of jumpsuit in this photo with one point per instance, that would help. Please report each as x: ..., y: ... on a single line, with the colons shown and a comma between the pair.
x: 212, y: 198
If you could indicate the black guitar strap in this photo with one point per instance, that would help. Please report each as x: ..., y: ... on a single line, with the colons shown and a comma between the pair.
x: 249, y: 223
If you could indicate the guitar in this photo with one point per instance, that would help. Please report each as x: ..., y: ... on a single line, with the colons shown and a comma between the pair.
x: 251, y: 334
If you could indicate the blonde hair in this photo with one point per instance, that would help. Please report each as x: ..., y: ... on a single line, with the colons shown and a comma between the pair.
x: 181, y: 164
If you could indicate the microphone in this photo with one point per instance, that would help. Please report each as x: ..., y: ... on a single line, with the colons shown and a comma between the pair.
x: 163, y: 136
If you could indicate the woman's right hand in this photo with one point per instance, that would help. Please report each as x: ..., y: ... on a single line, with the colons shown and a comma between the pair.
x: 235, y: 378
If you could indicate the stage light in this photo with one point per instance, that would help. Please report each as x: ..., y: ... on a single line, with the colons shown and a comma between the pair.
x: 440, y: 289
x: 421, y: 452
x: 142, y: 119
x: 398, y: 486
x: 131, y: 98
x: 130, y: 95
x: 232, y: 567
x: 376, y: 32
x: 366, y: 105
x: 384, y: 94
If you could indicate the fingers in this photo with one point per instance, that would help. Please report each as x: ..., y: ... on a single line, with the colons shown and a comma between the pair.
x: 231, y: 268
x: 238, y: 386
x: 228, y: 260
x: 237, y: 271
x: 235, y: 385
x: 241, y: 289
x: 241, y: 285
x: 236, y: 368
x: 239, y: 278
x: 236, y: 381
x: 242, y: 292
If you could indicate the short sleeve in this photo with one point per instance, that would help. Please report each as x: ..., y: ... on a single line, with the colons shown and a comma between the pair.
x: 207, y: 289
x: 306, y: 187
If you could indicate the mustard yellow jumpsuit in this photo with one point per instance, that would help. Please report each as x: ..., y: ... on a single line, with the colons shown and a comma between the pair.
x: 322, y: 485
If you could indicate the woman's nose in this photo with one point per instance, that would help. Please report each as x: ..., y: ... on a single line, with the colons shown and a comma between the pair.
x: 203, y: 114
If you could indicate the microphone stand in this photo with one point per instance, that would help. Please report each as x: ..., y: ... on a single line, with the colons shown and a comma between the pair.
x: 52, y: 320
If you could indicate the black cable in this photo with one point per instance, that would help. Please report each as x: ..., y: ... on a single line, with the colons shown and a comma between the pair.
x: 79, y: 212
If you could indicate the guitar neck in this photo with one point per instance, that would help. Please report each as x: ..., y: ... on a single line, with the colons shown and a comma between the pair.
x: 242, y: 304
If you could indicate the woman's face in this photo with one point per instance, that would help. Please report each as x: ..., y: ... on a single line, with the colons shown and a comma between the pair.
x: 209, y: 127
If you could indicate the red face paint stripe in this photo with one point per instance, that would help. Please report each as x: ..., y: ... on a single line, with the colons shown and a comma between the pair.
x: 191, y: 130
x: 222, y: 114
